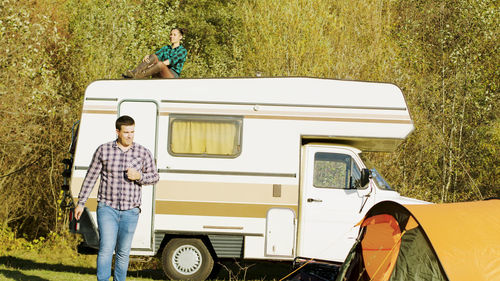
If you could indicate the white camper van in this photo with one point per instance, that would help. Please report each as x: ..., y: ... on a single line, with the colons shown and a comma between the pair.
x: 252, y: 168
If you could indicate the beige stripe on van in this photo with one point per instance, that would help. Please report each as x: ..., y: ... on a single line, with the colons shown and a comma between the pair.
x: 99, y: 109
x: 91, y: 203
x: 76, y: 184
x: 227, y: 192
x: 87, y: 111
x: 207, y: 208
x: 214, y: 191
x: 341, y: 119
x: 216, y: 209
x: 313, y: 116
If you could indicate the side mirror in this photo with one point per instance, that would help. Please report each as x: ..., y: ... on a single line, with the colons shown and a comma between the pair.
x: 365, y: 177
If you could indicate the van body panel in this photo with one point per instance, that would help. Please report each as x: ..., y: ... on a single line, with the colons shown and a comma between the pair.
x: 257, y: 192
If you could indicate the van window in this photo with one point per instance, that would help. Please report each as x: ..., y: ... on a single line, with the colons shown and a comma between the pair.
x: 205, y: 136
x: 334, y: 170
x: 355, y: 180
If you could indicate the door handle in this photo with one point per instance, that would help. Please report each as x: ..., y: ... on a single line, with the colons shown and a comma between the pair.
x: 313, y: 200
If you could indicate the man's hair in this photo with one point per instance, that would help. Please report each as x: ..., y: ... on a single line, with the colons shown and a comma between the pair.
x: 124, y: 120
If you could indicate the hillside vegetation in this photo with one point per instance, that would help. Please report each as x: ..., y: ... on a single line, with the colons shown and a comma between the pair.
x: 443, y: 54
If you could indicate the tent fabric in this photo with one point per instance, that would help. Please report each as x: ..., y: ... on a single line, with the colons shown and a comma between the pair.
x: 416, y: 260
x: 398, y: 211
x: 352, y: 268
x: 380, y: 246
x: 457, y: 241
x: 465, y: 236
x: 412, y: 223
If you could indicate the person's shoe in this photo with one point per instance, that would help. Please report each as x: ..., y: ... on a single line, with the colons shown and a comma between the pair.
x: 128, y: 74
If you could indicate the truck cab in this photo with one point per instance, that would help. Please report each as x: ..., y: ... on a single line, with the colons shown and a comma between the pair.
x: 333, y: 195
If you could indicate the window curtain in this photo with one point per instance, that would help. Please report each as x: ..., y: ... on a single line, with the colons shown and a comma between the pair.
x: 204, y: 137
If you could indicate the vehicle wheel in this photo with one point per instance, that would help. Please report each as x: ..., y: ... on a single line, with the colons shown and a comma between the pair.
x: 186, y: 259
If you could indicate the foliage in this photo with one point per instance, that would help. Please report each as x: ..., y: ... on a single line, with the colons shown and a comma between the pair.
x: 10, y: 243
x: 134, y: 29
x: 334, y: 39
x: 212, y: 28
x: 442, y: 54
x: 107, y: 37
x: 33, y: 113
x: 449, y: 72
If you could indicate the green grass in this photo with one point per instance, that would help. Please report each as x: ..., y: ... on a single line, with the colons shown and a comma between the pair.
x: 30, y: 265
x: 16, y: 268
x: 52, y: 263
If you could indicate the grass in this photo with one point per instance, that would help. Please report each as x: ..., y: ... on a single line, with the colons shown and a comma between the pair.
x: 35, y: 268
x: 59, y: 260
x: 28, y: 265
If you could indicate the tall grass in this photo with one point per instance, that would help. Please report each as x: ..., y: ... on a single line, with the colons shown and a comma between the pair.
x: 335, y: 39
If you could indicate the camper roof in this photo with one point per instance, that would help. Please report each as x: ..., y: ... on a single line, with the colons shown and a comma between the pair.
x: 367, y: 115
x: 285, y: 90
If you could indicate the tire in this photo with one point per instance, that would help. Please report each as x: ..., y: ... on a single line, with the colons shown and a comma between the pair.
x: 186, y: 259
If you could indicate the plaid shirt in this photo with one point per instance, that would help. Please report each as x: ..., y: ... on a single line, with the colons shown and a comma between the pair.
x: 115, y: 189
x: 176, y: 56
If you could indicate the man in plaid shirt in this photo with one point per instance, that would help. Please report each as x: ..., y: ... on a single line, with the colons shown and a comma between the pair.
x: 124, y: 166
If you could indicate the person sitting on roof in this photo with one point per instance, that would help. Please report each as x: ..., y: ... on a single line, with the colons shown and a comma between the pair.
x: 165, y: 63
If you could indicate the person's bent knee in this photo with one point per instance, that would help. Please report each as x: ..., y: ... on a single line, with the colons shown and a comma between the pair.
x: 153, y: 58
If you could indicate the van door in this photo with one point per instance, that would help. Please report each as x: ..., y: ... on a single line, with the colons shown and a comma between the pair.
x: 280, y: 232
x: 145, y: 114
x: 329, y: 203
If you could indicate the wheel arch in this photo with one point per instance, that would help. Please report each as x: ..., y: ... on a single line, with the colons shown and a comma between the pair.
x: 165, y: 237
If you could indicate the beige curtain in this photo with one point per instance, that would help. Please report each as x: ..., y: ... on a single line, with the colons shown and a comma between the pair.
x: 204, y: 137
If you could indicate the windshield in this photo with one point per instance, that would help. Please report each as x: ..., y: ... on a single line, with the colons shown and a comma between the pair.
x: 379, y: 180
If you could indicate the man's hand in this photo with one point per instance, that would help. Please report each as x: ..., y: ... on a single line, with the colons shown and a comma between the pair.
x: 78, y: 212
x: 146, y: 59
x: 133, y: 174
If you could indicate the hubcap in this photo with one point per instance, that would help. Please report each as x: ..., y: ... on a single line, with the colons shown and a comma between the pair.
x: 186, y: 259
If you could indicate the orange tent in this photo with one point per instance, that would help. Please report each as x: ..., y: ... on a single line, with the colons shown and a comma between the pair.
x: 456, y: 241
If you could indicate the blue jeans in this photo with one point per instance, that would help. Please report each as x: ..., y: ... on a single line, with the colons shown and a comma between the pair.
x: 116, y: 230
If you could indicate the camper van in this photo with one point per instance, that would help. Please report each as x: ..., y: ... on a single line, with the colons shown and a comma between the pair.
x: 250, y: 168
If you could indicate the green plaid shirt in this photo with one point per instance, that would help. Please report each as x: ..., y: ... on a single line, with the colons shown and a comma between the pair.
x: 176, y: 56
